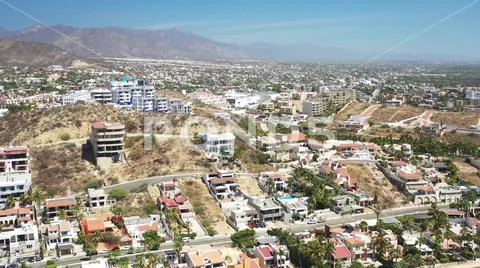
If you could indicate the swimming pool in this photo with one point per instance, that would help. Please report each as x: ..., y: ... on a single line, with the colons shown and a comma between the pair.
x: 286, y: 197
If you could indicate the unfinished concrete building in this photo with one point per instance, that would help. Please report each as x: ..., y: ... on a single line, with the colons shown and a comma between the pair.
x: 107, y: 140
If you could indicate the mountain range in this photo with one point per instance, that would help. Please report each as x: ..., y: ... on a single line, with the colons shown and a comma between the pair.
x: 175, y: 44
x: 33, y: 54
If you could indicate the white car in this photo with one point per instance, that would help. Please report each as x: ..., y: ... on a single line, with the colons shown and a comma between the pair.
x: 186, y: 239
x: 312, y: 221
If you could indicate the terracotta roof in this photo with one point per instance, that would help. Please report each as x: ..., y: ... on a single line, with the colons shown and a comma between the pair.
x: 98, y: 125
x: 341, y: 252
x: 180, y: 199
x: 199, y: 258
x: 342, y: 172
x: 149, y: 227
x: 399, y: 163
x: 326, y: 168
x: 168, y: 201
x: 60, y: 202
x: 15, y: 211
x: 266, y: 252
x: 94, y: 224
x: 410, y: 176
x: 354, y: 241
x: 426, y: 188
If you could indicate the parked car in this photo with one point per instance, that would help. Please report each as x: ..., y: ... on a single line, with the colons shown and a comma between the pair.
x: 312, y: 221
x: 186, y: 239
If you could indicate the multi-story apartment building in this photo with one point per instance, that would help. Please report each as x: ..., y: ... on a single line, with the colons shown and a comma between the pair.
x: 101, y: 95
x: 15, y: 176
x: 180, y: 107
x: 220, y: 145
x: 107, y: 140
x: 16, y: 216
x: 314, y: 107
x: 21, y: 244
x: 161, y: 104
x: 77, y: 97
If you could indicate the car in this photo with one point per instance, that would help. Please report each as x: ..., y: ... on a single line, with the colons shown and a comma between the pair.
x: 186, y: 239
x: 312, y: 221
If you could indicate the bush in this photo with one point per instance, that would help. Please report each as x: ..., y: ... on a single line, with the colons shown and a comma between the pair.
x: 65, y: 136
x: 118, y: 194
x: 95, y: 184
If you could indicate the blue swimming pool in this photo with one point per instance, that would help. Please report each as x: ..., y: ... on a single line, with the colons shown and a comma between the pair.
x: 286, y: 197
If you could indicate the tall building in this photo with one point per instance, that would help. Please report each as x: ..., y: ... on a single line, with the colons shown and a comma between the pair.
x: 314, y: 107
x: 15, y: 176
x: 107, y: 140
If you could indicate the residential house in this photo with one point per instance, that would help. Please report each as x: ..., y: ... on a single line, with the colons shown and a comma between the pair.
x: 241, y: 215
x: 205, y: 259
x: 272, y: 255
x: 223, y: 187
x: 137, y: 226
x: 107, y: 140
x: 345, y: 204
x: 219, y: 145
x: 16, y: 216
x: 61, y: 236
x: 53, y: 206
x: 277, y: 180
x: 340, y: 255
x: 21, y: 244
x: 268, y: 209
x: 97, y: 199
x: 245, y: 262
x: 15, y: 176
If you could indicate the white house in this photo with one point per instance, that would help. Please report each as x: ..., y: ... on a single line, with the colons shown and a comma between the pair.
x: 219, y: 144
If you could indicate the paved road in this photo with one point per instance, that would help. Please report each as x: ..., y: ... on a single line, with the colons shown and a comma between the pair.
x: 74, y: 261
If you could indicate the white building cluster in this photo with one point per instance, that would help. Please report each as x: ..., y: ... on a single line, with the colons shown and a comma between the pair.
x: 15, y: 176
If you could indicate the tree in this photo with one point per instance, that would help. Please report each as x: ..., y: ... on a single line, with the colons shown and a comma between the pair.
x: 244, y: 238
x: 118, y: 194
x: 151, y: 240
x: 178, y: 244
x: 117, y: 210
x: 153, y: 259
x: 10, y: 201
x: 363, y: 225
x: 62, y: 214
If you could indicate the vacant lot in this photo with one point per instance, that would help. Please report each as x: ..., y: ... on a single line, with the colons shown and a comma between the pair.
x: 249, y: 186
x: 468, y: 172
x: 354, y: 108
x: 385, y: 114
x: 208, y: 212
x: 373, y: 182
x: 385, y: 131
x: 462, y: 137
x: 459, y: 119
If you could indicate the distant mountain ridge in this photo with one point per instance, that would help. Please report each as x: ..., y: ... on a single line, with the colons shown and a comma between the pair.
x: 128, y: 43
x: 32, y: 54
x: 175, y: 44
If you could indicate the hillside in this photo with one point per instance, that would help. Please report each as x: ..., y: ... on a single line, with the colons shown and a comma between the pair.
x: 33, y: 54
x: 47, y: 126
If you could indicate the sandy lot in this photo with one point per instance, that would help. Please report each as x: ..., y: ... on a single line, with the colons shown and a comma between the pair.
x: 468, y: 172
x: 372, y: 180
x: 354, y: 108
x: 465, y: 120
x: 199, y: 196
x: 249, y: 186
x: 384, y: 114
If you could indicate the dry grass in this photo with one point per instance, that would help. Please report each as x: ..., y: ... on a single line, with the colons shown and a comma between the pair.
x: 249, y: 186
x: 46, y: 126
x: 462, y: 137
x: 354, y: 108
x: 372, y: 181
x: 58, y: 168
x: 199, y: 196
x: 468, y: 172
x: 138, y: 204
x: 459, y: 119
x: 385, y: 114
x: 381, y: 131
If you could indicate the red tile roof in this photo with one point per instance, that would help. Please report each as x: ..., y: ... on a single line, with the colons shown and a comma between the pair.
x: 266, y: 252
x: 98, y: 125
x: 60, y: 202
x: 297, y: 137
x: 341, y: 252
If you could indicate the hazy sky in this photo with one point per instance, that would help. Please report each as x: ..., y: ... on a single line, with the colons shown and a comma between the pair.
x: 410, y: 26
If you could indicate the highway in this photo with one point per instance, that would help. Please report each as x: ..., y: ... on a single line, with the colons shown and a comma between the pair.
x: 74, y: 261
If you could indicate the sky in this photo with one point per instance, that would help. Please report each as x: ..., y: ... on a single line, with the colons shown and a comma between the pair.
x: 450, y: 27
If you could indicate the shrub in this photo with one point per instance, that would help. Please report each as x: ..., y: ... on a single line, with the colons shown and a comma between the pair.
x: 95, y: 184
x: 118, y: 194
x: 65, y: 136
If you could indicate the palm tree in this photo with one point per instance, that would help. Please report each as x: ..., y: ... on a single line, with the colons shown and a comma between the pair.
x: 10, y: 201
x: 363, y: 225
x: 140, y: 261
x: 408, y: 223
x: 62, y: 214
x: 153, y: 259
x: 37, y: 197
